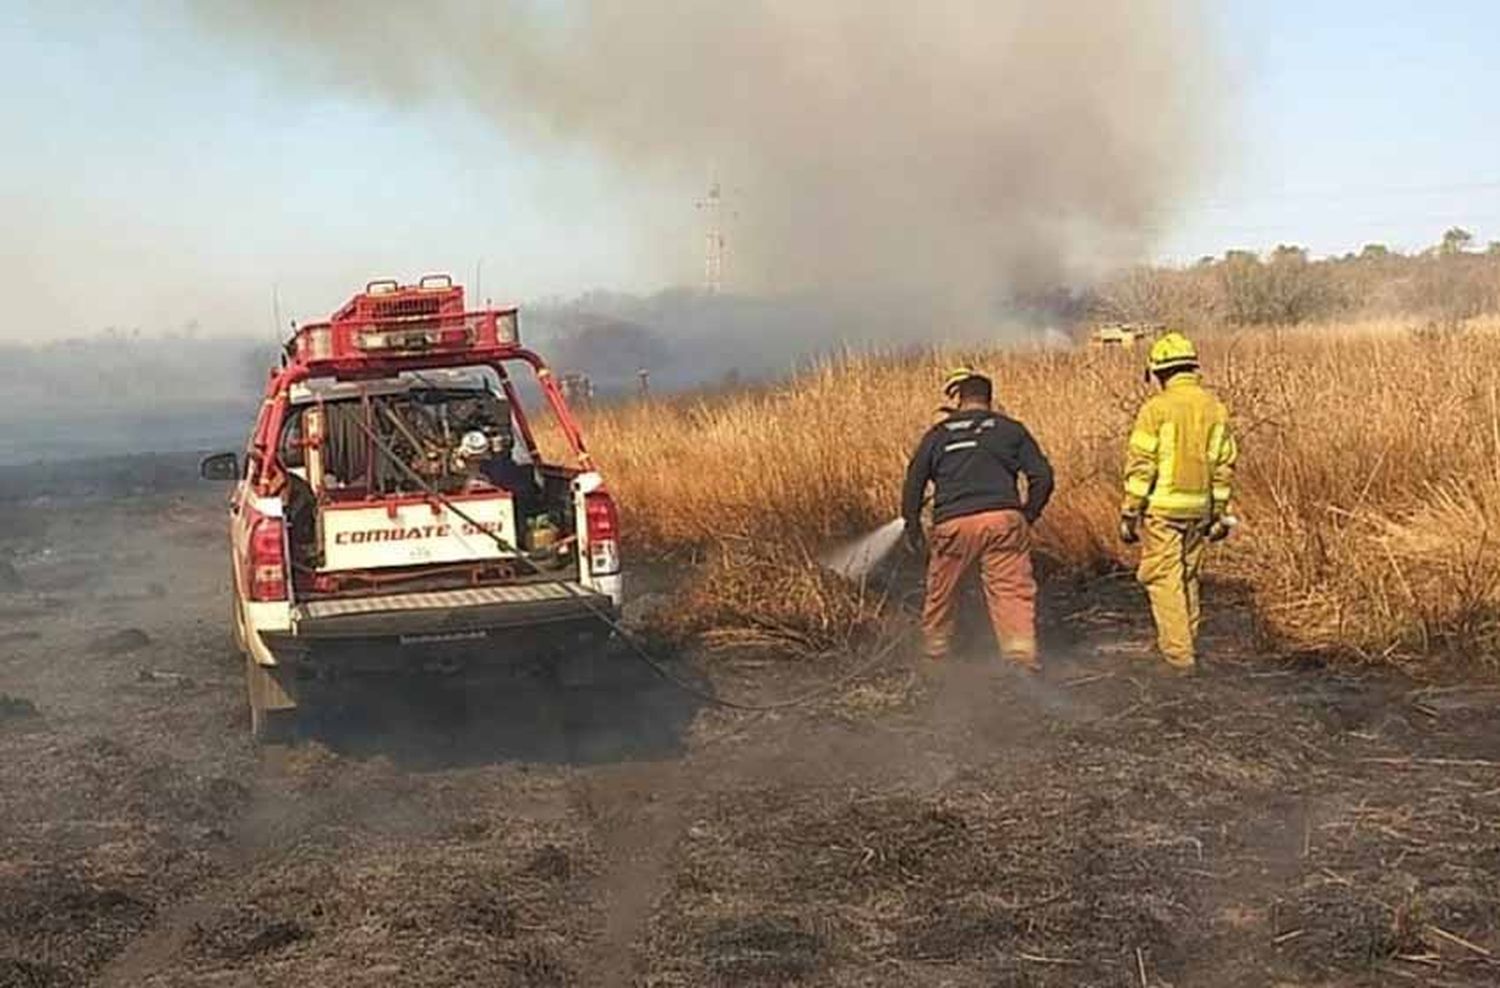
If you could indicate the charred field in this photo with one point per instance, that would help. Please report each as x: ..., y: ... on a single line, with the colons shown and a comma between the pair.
x: 1268, y: 822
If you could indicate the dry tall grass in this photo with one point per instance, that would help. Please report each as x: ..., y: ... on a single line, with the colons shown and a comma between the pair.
x: 1370, y: 484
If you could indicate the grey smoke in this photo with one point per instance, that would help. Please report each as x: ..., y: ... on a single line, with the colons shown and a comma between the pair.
x: 955, y: 151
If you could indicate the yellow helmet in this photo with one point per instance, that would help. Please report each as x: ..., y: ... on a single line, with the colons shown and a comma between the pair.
x: 957, y: 376
x: 1172, y: 351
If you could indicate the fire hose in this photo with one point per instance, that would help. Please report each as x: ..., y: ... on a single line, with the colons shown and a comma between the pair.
x: 637, y: 649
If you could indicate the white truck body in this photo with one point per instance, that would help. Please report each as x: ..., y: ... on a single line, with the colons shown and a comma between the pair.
x: 393, y: 494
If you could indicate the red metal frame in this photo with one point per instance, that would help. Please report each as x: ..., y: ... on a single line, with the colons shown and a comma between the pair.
x: 394, y: 501
x: 434, y: 295
x: 431, y: 315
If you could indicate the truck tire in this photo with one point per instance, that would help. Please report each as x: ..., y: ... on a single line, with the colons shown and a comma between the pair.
x: 271, y: 722
x: 237, y: 621
x: 273, y: 726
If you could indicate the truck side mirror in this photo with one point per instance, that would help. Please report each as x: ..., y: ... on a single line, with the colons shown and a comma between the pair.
x: 220, y: 466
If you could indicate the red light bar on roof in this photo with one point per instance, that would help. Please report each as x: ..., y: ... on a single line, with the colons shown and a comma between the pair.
x: 414, y: 340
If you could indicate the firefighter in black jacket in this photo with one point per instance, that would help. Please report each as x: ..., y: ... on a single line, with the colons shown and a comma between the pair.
x: 973, y: 459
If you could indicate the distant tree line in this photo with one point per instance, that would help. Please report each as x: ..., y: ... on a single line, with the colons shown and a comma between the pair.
x: 1450, y: 282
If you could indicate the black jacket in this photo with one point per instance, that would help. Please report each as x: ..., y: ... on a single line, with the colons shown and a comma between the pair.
x: 972, y: 460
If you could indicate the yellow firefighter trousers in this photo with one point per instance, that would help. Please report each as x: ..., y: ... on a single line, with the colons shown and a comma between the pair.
x: 1171, y: 560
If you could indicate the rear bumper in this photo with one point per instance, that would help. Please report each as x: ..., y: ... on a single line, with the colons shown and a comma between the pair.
x: 451, y: 612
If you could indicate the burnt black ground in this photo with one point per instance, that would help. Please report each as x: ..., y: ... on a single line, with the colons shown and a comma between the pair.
x: 1265, y: 823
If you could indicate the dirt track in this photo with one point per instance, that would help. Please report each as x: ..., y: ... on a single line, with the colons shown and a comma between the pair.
x: 1260, y: 824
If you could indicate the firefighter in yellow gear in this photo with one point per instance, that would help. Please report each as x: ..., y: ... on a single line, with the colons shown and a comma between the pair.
x: 1179, y: 472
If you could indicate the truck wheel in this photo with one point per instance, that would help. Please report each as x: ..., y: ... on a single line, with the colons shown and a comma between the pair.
x: 273, y: 726
x: 273, y: 713
x: 237, y: 623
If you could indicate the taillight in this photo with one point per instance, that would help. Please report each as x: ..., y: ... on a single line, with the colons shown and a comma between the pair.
x: 267, y: 561
x: 603, y: 534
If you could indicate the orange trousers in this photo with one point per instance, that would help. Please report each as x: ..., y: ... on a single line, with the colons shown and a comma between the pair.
x: 1000, y: 541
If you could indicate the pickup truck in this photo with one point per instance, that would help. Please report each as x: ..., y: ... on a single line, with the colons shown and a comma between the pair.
x: 394, y: 505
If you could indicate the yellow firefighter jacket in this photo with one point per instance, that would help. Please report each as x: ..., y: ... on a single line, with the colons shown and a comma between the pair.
x: 1180, y: 461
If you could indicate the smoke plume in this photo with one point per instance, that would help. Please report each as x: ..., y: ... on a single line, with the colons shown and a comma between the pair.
x: 957, y: 150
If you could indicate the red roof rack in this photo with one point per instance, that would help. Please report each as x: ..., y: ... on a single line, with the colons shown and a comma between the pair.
x: 434, y: 295
x: 389, y: 325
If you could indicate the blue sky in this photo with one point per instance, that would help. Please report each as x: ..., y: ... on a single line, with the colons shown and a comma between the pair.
x: 152, y: 177
x: 1353, y: 121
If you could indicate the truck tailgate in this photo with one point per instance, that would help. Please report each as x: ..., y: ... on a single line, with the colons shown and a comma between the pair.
x: 442, y: 611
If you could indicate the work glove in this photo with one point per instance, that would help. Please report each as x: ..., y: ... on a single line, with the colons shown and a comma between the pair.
x: 1220, y: 527
x: 916, y: 541
x: 1130, y: 529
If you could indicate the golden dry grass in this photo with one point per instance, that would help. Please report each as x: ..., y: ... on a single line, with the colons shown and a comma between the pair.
x: 1369, y: 488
